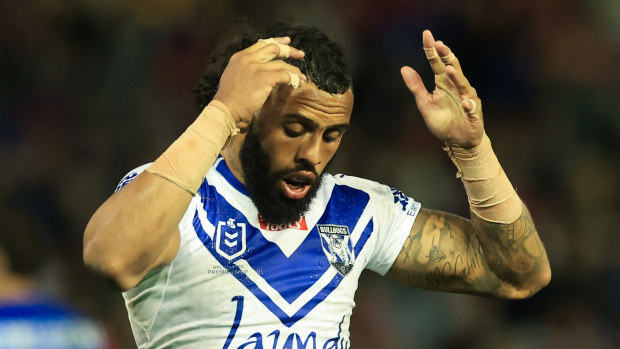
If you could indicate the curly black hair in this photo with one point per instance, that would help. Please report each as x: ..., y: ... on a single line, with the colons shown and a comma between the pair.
x: 324, y: 63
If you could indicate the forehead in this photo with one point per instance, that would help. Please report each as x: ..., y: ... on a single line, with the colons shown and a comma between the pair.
x: 309, y: 101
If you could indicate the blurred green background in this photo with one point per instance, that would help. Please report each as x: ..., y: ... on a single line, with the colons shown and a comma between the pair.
x: 91, y: 89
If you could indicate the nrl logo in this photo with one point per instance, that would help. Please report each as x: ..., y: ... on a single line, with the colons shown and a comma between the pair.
x: 230, y: 239
x: 336, y: 243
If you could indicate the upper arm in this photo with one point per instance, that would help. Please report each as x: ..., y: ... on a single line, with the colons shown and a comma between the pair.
x: 135, y: 230
x: 442, y: 253
x: 166, y: 257
x: 128, y: 278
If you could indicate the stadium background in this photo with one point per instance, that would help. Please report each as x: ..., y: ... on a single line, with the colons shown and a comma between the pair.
x: 91, y: 89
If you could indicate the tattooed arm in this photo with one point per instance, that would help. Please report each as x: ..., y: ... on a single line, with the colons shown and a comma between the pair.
x: 448, y: 253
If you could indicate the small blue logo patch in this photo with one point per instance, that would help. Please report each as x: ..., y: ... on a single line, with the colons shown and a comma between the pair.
x: 130, y: 177
x: 230, y: 240
x: 403, y: 199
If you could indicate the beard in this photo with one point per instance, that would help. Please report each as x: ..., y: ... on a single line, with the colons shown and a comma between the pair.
x: 262, y: 183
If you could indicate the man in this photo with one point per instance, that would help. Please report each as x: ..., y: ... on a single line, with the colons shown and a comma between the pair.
x: 242, y: 240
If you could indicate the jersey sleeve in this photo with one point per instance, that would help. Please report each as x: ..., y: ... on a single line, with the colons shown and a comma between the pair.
x: 131, y: 176
x: 395, y: 213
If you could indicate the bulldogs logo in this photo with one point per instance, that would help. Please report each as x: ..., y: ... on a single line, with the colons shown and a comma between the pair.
x: 336, y: 243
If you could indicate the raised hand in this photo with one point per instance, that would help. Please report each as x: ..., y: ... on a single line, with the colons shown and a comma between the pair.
x: 453, y: 111
x: 251, y: 75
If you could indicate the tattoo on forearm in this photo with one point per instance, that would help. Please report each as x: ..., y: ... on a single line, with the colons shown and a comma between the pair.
x: 516, y: 247
x: 451, y: 253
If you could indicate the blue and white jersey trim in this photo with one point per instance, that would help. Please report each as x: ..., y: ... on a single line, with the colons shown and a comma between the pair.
x: 281, y: 282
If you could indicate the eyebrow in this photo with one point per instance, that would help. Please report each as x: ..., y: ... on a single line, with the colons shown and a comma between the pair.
x: 305, y: 120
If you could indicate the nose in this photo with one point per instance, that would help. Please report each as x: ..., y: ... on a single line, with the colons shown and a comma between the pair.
x: 309, y: 151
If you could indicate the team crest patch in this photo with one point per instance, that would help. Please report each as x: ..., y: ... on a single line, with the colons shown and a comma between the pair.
x: 230, y: 240
x: 336, y: 243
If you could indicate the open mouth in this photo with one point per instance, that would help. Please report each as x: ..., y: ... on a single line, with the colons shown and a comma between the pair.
x: 297, y: 184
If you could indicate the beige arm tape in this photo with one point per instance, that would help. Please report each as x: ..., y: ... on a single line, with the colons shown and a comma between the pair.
x: 186, y: 162
x: 490, y: 194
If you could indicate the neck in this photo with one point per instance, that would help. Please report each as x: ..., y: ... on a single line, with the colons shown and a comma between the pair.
x: 231, y: 155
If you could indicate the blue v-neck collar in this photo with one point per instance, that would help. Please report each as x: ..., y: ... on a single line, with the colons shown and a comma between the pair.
x: 223, y: 169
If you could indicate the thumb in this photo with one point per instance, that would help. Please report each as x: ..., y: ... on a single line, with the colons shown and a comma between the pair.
x: 414, y: 83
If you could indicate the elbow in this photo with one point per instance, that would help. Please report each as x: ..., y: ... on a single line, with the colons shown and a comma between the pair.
x: 529, y: 287
x: 543, y: 278
x: 111, y: 270
x: 108, y: 266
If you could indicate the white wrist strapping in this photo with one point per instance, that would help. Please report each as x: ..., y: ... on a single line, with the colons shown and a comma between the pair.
x: 187, y: 160
x: 490, y: 194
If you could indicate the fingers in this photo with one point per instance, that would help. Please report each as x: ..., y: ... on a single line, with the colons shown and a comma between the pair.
x: 252, y: 73
x: 414, y: 83
x: 443, y: 61
x: 438, y: 54
x: 265, y: 50
x: 448, y: 76
x: 294, y: 73
x: 447, y: 57
x: 471, y: 107
x: 284, y: 50
x: 285, y: 40
x: 431, y: 53
x: 460, y: 81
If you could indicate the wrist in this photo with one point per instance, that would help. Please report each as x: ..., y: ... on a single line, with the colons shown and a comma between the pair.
x: 490, y: 193
x: 187, y: 160
x: 221, y: 116
x: 229, y: 107
x: 476, y: 162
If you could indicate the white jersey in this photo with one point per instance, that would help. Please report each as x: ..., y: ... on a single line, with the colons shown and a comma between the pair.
x: 239, y: 282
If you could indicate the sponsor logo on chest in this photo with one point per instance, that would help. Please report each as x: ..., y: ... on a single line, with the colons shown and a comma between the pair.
x: 299, y: 224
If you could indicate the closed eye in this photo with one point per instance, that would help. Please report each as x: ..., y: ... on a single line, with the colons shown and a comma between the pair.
x: 332, y: 135
x: 294, y: 129
x: 292, y: 133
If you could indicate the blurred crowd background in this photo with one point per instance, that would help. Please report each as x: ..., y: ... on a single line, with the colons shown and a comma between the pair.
x: 91, y: 89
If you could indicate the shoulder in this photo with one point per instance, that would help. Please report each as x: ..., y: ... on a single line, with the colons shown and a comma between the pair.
x: 360, y: 184
x: 131, y: 175
x: 376, y: 190
x: 383, y: 196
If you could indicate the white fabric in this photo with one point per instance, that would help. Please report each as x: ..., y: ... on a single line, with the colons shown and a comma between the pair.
x: 234, y: 284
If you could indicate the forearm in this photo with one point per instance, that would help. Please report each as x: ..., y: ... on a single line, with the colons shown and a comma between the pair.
x: 514, y: 253
x: 500, y: 220
x: 129, y: 233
